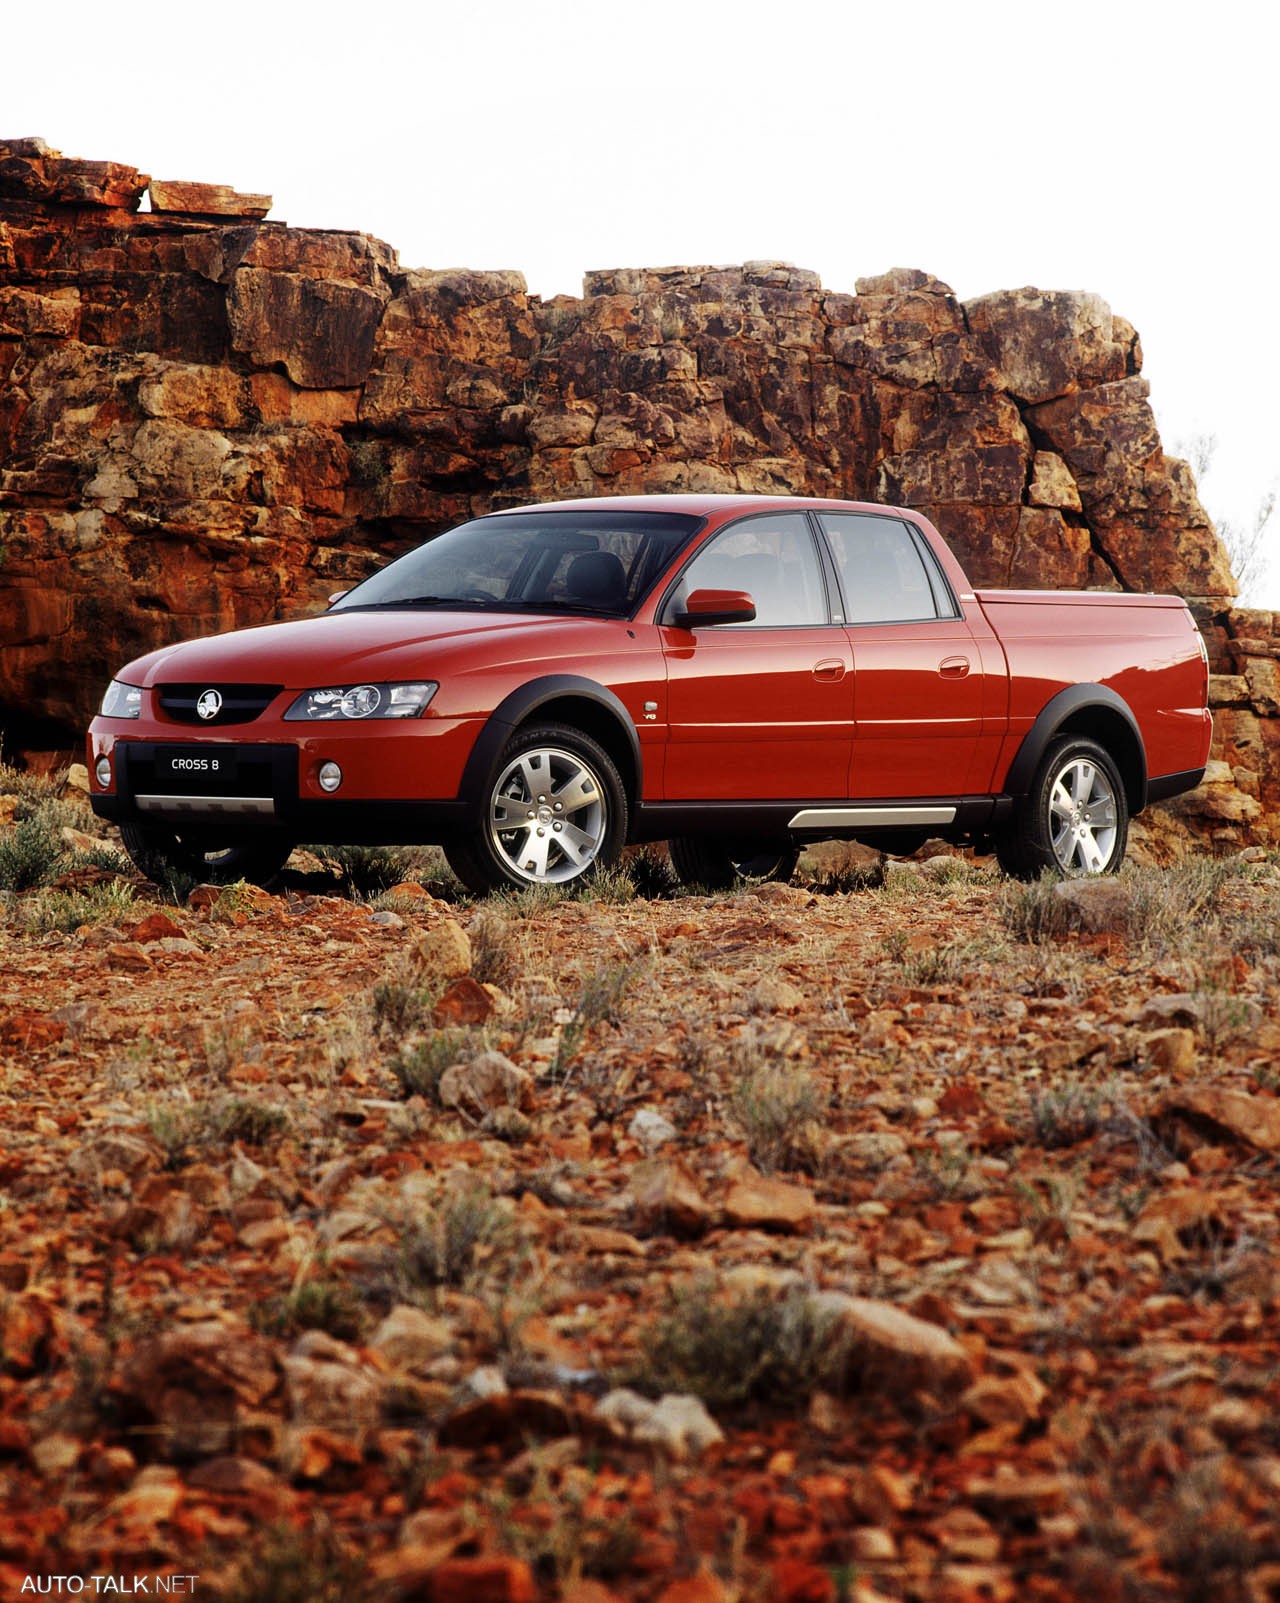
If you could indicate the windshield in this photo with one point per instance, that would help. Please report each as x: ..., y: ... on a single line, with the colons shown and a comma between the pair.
x: 595, y: 562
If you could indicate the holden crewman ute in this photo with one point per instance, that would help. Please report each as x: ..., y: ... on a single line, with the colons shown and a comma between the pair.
x: 737, y: 675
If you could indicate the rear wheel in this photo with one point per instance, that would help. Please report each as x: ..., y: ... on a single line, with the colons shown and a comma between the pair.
x: 720, y: 865
x: 162, y: 854
x: 554, y: 811
x: 1074, y: 819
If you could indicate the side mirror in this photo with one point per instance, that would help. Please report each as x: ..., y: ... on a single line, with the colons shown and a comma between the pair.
x: 338, y: 595
x: 716, y: 606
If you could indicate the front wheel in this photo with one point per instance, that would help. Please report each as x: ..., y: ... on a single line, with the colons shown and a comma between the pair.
x: 163, y: 854
x: 554, y: 811
x: 720, y: 865
x: 1075, y: 817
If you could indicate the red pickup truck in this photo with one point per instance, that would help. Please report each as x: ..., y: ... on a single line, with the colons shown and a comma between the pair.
x: 735, y: 674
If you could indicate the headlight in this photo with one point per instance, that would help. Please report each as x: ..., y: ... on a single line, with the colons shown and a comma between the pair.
x: 122, y: 701
x: 363, y: 701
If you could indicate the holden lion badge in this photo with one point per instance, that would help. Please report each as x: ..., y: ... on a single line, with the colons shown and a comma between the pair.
x: 209, y: 704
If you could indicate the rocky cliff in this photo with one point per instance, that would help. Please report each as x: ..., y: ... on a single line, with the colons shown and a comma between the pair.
x: 208, y: 419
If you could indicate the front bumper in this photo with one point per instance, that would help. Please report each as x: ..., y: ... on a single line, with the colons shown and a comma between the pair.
x: 400, y: 779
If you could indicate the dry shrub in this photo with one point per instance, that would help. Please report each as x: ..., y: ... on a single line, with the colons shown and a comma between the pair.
x: 419, y: 1065
x: 778, y: 1106
x: 404, y: 997
x: 728, y: 1350
x: 494, y: 959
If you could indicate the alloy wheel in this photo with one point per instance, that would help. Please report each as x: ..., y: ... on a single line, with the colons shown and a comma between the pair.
x: 548, y: 816
x: 1082, y: 817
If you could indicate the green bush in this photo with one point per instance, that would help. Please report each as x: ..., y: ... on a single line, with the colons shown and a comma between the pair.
x: 112, y: 903
x: 28, y: 855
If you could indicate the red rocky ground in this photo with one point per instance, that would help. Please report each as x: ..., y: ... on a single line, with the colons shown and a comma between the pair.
x: 910, y: 1240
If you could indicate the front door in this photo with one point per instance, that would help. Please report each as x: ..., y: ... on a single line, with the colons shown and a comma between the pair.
x: 759, y: 711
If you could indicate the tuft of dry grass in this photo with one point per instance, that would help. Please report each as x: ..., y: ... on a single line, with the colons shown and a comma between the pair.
x: 419, y: 1065
x: 494, y: 949
x: 733, y: 1350
x: 778, y: 1106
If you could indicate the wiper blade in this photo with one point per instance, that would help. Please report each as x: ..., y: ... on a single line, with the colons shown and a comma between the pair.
x: 493, y: 604
x: 565, y: 606
x: 436, y: 601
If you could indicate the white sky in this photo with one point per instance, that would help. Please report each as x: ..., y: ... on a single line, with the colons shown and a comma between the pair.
x: 1128, y: 147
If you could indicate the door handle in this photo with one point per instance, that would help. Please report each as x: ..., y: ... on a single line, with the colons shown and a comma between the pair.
x: 953, y: 667
x: 830, y: 670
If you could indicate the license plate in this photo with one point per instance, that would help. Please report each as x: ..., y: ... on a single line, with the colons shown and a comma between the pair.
x: 189, y: 769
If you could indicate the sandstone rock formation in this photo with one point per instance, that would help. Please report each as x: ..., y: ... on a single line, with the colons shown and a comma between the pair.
x: 209, y: 420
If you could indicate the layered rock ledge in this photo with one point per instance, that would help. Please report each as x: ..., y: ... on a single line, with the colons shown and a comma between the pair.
x: 209, y: 419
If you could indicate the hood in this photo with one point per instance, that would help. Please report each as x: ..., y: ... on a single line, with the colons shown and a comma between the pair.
x: 340, y: 646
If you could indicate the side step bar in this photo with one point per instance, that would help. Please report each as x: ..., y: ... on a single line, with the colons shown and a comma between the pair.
x: 870, y: 817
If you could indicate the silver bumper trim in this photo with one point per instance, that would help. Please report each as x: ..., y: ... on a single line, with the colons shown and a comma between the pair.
x: 870, y: 817
x: 256, y: 806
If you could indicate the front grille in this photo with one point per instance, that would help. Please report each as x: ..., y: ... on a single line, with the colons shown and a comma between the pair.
x: 241, y: 704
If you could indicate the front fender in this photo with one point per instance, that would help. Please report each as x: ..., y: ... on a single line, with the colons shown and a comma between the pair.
x: 521, y: 704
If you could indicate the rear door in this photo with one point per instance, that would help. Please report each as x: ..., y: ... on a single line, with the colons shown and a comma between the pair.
x: 919, y: 675
x: 759, y: 711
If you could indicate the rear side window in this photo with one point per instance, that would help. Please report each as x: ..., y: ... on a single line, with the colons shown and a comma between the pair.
x: 885, y: 575
x: 772, y: 558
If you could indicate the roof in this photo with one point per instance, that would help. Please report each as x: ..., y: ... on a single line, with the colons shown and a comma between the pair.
x: 692, y: 503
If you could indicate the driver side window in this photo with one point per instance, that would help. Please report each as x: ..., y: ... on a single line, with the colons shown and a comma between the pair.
x: 773, y: 559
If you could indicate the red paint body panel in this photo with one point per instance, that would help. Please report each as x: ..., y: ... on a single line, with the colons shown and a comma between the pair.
x: 721, y: 713
x: 919, y: 729
x: 758, y: 714
x: 1139, y: 646
x: 477, y: 661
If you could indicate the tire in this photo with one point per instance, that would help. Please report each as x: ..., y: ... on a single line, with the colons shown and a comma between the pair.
x: 1075, y: 818
x: 554, y: 810
x: 163, y: 854
x: 720, y: 865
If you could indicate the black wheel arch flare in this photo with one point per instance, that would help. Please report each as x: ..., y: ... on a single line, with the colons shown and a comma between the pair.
x: 1093, y: 710
x: 609, y: 722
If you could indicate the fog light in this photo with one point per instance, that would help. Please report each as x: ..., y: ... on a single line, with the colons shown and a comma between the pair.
x: 102, y: 768
x: 330, y: 776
